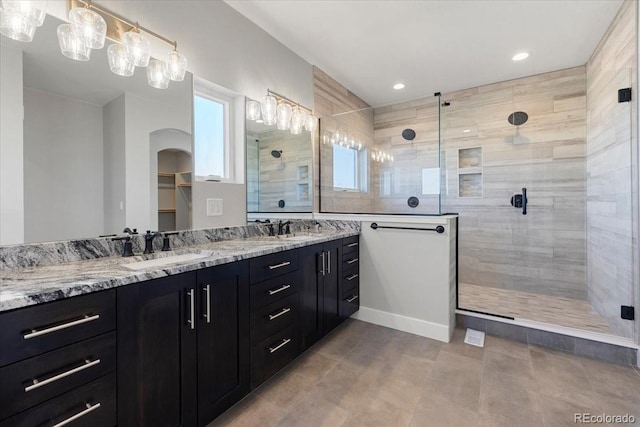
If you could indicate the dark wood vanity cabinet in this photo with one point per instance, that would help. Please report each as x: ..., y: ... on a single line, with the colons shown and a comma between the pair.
x: 58, y: 362
x: 183, y: 347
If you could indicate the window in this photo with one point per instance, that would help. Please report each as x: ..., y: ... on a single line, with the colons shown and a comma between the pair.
x: 346, y: 170
x: 214, y: 128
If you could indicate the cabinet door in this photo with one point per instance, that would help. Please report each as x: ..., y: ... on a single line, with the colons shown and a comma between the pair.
x: 223, y: 338
x: 156, y: 352
x: 311, y: 296
x: 330, y: 279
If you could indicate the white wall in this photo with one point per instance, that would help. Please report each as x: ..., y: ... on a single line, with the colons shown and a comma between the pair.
x: 63, y: 177
x: 234, y: 200
x: 11, y: 151
x: 114, y: 165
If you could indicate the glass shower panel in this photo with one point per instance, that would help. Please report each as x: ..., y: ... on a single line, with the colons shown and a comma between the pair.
x: 388, y: 165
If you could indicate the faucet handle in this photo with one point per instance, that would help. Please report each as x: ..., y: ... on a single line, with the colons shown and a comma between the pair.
x: 166, y: 244
x: 128, y: 247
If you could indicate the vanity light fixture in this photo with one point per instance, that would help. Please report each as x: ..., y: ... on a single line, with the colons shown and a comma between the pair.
x: 381, y: 156
x: 89, y: 27
x: 520, y: 56
x: 398, y: 86
x: 343, y: 138
x: 19, y: 19
x: 275, y: 109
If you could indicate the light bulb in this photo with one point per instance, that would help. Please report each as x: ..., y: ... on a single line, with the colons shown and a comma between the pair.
x: 17, y: 27
x: 268, y: 108
x: 157, y: 74
x: 283, y: 116
x: 71, y: 45
x: 119, y: 62
x: 88, y: 25
x: 253, y: 110
x: 137, y: 47
x: 177, y: 66
x: 310, y: 123
x: 298, y: 118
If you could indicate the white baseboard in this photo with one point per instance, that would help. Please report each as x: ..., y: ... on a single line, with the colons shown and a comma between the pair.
x: 406, y: 324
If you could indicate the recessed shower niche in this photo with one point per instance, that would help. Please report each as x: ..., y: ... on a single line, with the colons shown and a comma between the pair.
x: 470, y: 172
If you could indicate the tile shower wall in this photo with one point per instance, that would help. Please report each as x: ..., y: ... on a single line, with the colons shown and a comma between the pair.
x: 285, y: 178
x: 488, y: 161
x: 610, y: 149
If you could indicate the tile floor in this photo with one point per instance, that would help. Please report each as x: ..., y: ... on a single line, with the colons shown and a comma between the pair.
x: 559, y: 311
x: 367, y: 375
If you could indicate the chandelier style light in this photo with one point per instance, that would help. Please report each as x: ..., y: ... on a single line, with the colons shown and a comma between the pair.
x: 19, y: 19
x: 275, y: 109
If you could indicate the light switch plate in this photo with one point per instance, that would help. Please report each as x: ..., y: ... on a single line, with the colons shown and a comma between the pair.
x: 214, y: 207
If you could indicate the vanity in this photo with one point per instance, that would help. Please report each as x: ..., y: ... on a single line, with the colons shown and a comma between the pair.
x: 109, y: 341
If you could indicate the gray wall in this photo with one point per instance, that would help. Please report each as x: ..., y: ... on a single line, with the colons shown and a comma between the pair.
x: 62, y: 167
x: 114, y: 165
x: 610, y: 165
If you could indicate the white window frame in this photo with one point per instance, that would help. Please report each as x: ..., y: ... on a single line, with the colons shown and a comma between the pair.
x: 360, y: 171
x: 204, y: 90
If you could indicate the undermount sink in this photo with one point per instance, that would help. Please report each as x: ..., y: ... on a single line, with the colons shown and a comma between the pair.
x: 161, y: 262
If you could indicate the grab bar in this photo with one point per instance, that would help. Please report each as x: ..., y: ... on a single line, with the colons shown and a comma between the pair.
x: 439, y: 229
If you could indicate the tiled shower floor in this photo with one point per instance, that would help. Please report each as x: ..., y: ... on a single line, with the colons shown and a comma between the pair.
x: 559, y: 311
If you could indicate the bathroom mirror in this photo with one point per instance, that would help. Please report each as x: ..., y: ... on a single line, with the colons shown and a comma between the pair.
x: 100, y: 151
x: 279, y: 174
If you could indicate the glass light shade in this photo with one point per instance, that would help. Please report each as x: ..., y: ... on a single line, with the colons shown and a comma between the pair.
x: 177, y: 66
x: 283, y: 116
x: 253, y: 110
x: 137, y: 47
x: 268, y: 107
x: 16, y: 26
x: 32, y: 11
x: 71, y: 45
x: 310, y: 122
x: 298, y: 117
x: 157, y: 74
x: 119, y: 62
x: 88, y: 25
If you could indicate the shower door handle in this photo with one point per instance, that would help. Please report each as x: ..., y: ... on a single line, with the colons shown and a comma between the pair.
x: 524, y: 201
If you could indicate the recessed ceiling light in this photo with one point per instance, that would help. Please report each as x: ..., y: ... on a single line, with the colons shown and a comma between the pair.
x: 398, y: 86
x: 259, y: 121
x: 466, y: 130
x: 520, y: 56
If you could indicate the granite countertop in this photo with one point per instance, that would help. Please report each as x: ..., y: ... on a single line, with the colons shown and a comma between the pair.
x: 34, y: 285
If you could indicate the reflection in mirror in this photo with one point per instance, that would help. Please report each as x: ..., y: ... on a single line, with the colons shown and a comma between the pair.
x: 279, y: 174
x: 90, y: 144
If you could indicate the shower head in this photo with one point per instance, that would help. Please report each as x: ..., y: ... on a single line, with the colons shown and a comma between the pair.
x: 276, y: 153
x: 518, y: 118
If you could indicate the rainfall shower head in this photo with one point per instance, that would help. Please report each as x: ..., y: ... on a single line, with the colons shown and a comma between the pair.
x: 276, y: 153
x: 518, y: 118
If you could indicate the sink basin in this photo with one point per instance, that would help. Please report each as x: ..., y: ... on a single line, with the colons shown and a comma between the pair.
x: 161, y: 262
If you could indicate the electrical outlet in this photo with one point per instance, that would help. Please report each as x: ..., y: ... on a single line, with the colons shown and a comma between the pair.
x: 214, y: 207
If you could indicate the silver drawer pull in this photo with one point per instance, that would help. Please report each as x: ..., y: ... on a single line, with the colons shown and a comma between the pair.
x: 353, y: 276
x: 280, y: 313
x: 282, y: 264
x: 36, y: 333
x: 279, y: 346
x: 37, y: 383
x: 90, y: 408
x: 280, y: 289
x: 351, y: 245
x: 351, y: 261
x: 352, y: 298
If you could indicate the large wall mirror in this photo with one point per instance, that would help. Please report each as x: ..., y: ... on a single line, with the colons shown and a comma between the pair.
x: 101, y: 151
x: 279, y: 170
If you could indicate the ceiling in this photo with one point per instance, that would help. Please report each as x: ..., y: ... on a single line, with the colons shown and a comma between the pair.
x: 432, y: 45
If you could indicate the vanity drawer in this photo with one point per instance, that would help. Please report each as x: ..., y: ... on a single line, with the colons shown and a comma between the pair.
x: 350, y: 261
x: 34, y: 330
x: 351, y: 278
x: 349, y: 303
x: 273, y: 318
x: 350, y: 244
x: 272, y: 265
x: 272, y: 354
x: 272, y: 290
x: 92, y: 405
x: 29, y: 382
